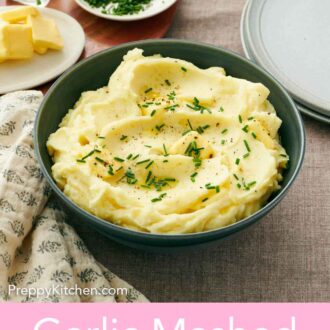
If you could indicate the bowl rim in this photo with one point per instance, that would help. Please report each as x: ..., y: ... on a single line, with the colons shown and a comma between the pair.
x: 235, y: 227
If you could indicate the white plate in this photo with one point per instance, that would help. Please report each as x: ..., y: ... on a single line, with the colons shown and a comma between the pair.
x: 155, y: 8
x: 26, y: 74
x: 248, y: 53
x: 291, y: 40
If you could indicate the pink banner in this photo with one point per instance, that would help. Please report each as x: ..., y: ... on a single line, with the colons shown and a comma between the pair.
x: 165, y: 316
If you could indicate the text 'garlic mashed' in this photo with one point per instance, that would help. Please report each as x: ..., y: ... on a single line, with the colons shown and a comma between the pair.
x: 167, y: 147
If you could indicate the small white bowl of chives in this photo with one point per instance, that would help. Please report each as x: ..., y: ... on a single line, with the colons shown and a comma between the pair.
x: 125, y: 10
x: 39, y: 3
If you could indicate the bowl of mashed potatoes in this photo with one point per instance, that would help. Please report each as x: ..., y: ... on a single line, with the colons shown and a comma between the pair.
x: 167, y: 143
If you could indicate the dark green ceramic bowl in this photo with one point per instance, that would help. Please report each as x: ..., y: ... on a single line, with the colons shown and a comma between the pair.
x: 95, y: 71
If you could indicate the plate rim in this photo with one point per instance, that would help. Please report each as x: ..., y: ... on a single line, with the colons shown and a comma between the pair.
x: 263, y: 58
x: 126, y: 18
x: 75, y: 56
x: 302, y: 108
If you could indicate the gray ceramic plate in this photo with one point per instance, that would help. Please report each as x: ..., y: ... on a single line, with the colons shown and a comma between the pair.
x: 94, y: 72
x: 291, y: 40
x: 249, y: 54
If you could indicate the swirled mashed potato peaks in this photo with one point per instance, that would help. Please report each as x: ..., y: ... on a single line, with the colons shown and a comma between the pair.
x: 168, y: 147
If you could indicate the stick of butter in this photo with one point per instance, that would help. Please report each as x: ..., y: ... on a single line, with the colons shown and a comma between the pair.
x: 15, y: 41
x: 19, y: 14
x: 45, y: 34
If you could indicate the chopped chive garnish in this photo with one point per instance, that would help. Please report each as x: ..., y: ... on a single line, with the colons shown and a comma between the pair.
x: 247, y: 146
x: 171, y: 96
x: 148, y: 90
x: 130, y: 177
x: 101, y: 137
x: 250, y: 118
x: 193, y: 176
x: 149, y: 164
x: 224, y: 131
x: 119, y: 159
x: 161, y: 196
x: 197, y: 106
x: 223, y: 142
x: 130, y: 174
x: 197, y: 162
x: 170, y: 179
x: 129, y: 156
x: 81, y: 161
x: 245, y: 128
x: 186, y: 132
x: 246, y: 155
x: 235, y: 176
x: 165, y: 150
x: 184, y: 69
x: 135, y: 157
x: 171, y: 107
x: 188, y: 149
x: 237, y: 161
x: 189, y: 123
x: 210, y: 187
x: 148, y: 176
x: 201, y: 129
x: 283, y: 155
x: 240, y: 119
x: 167, y: 82
x: 100, y: 160
x: 239, y: 185
x: 193, y: 151
x: 153, y: 113
x: 165, y: 161
x: 88, y: 155
x: 221, y: 109
x: 110, y: 170
x: 205, y: 199
x: 158, y: 128
x: 143, y: 161
x: 254, y: 135
x: 147, y: 146
x: 251, y: 184
x: 120, y: 168
x: 123, y: 137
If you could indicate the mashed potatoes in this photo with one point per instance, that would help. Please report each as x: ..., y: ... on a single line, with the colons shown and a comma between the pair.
x: 168, y: 148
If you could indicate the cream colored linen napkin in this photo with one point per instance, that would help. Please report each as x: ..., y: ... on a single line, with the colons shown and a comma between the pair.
x: 38, y: 250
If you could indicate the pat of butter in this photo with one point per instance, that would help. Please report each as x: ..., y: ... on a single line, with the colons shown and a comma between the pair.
x: 19, y: 14
x: 15, y: 41
x: 45, y: 34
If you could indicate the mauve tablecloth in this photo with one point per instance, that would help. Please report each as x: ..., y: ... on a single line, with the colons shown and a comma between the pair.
x: 286, y: 257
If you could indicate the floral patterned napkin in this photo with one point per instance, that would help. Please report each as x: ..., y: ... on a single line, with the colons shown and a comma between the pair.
x: 38, y: 250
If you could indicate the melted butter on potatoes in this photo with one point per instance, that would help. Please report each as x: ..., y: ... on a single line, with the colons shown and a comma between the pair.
x: 167, y: 147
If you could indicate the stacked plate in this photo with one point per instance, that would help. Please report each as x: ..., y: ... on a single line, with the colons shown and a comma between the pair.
x: 291, y: 40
